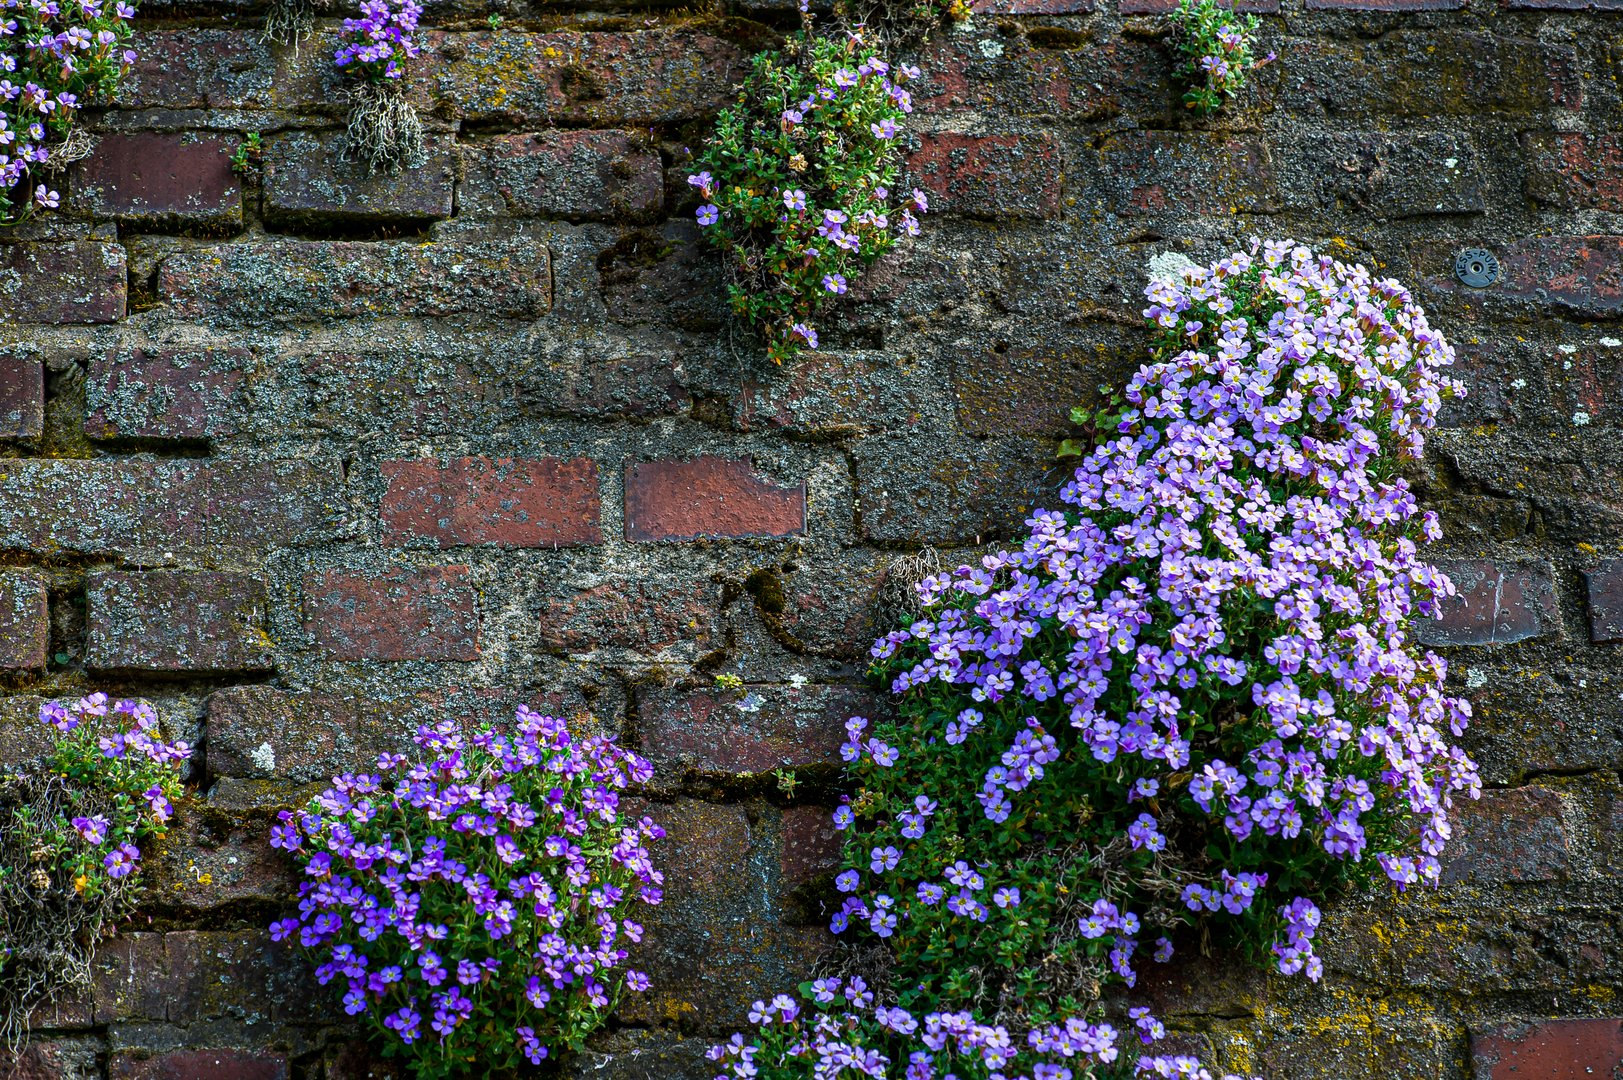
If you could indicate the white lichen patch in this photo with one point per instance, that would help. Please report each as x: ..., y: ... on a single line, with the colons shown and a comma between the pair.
x: 1475, y: 678
x: 1580, y: 418
x: 263, y: 757
x: 1170, y: 266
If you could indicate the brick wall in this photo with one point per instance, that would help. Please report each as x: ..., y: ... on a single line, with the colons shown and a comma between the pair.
x: 310, y: 457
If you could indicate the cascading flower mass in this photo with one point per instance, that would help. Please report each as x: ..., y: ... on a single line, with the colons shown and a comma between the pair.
x: 1191, y: 694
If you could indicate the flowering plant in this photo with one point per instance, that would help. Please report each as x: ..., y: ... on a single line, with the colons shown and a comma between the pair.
x: 474, y: 906
x: 799, y: 181
x: 56, y: 56
x: 1191, y: 694
x: 1216, y: 47
x: 384, y: 129
x: 70, y: 843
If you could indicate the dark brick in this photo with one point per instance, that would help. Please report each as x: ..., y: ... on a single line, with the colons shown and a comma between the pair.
x: 1187, y: 173
x: 811, y: 844
x: 194, y: 69
x: 307, y: 183
x: 79, y: 282
x: 1574, y: 170
x: 358, y: 1060
x: 1161, y: 7
x: 50, y: 1059
x: 1605, y: 584
x: 1548, y: 1050
x: 22, y: 398
x: 787, y: 727
x: 1582, y: 274
x: 580, y: 175
x: 239, y: 973
x: 162, y: 621
x: 401, y: 614
x: 1020, y: 390
x: 635, y: 386
x: 991, y: 176
x: 602, y: 79
x: 1114, y: 76
x: 280, y: 280
x: 199, y: 1065
x: 25, y: 622
x: 827, y: 394
x: 22, y: 737
x: 1393, y: 1047
x: 1516, y: 835
x: 644, y: 617
x: 149, y: 179
x: 356, y: 393
x: 1495, y: 604
x: 165, y: 393
x: 1565, y: 5
x: 1385, y: 5
x: 934, y: 491
x: 1031, y: 7
x: 203, y: 863
x: 541, y: 503
x: 1392, y: 175
x: 130, y: 979
x: 708, y: 497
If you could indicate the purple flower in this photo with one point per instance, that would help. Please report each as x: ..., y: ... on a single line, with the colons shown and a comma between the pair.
x: 120, y: 862
x: 708, y: 214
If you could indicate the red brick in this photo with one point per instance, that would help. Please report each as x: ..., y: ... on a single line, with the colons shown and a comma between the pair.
x: 1581, y: 274
x: 78, y: 282
x: 581, y: 175
x: 540, y: 503
x: 1549, y: 1050
x: 792, y: 727
x: 199, y: 1065
x: 1575, y: 171
x: 194, y: 622
x: 991, y: 176
x: 165, y: 393
x: 708, y: 497
x: 280, y: 280
x: 811, y: 844
x: 307, y: 182
x: 22, y: 398
x: 1495, y: 604
x: 152, y: 179
x: 1515, y: 835
x: 1187, y: 173
x: 400, y: 614
x: 600, y: 79
x: 1385, y: 5
x: 25, y: 622
x: 1605, y: 585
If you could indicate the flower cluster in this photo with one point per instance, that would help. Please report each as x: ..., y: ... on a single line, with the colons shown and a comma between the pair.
x: 1215, y: 45
x: 799, y: 181
x: 376, y: 46
x: 56, y: 56
x: 475, y: 907
x: 1191, y: 694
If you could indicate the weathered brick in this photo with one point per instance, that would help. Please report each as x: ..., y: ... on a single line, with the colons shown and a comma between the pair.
x: 164, y: 621
x: 354, y: 393
x: 23, y: 738
x: 935, y: 491
x: 1581, y: 274
x: 1565, y: 5
x: 1384, y: 1049
x: 216, y: 973
x: 602, y: 79
x: 539, y: 503
x: 199, y: 1065
x: 79, y: 282
x: 831, y: 393
x: 635, y: 386
x: 130, y: 979
x: 1161, y: 7
x: 1575, y: 170
x: 708, y: 497
x: 1031, y: 7
x: 1518, y: 834
x: 25, y: 622
x: 165, y: 393
x: 1548, y: 1050
x: 281, y: 280
x: 1605, y: 584
x: 399, y: 614
x: 777, y: 727
x: 1385, y: 5
x: 991, y: 176
x: 1495, y: 604
x: 152, y: 180
x: 195, y: 69
x: 50, y: 1059
x: 810, y: 844
x: 1389, y: 174
x: 1187, y: 173
x: 1020, y: 390
x: 643, y: 617
x: 22, y: 397
x: 204, y: 863
x: 1114, y: 76
x: 307, y: 182
x: 580, y: 175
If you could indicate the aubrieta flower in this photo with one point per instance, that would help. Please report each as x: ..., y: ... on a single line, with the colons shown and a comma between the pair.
x: 377, y: 45
x: 490, y: 879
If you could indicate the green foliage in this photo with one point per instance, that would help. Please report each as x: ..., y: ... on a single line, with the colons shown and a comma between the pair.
x: 247, y: 155
x: 799, y: 181
x: 1216, y: 49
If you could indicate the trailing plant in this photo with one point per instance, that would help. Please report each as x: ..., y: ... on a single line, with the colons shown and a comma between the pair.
x: 56, y: 57
x: 474, y: 906
x: 376, y: 49
x: 799, y: 181
x: 1189, y: 697
x: 1216, y: 49
x: 71, y: 835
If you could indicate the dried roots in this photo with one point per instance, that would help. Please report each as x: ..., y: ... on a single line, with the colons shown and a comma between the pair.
x: 48, y: 932
x: 288, y: 22
x: 898, y: 596
x: 384, y: 130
